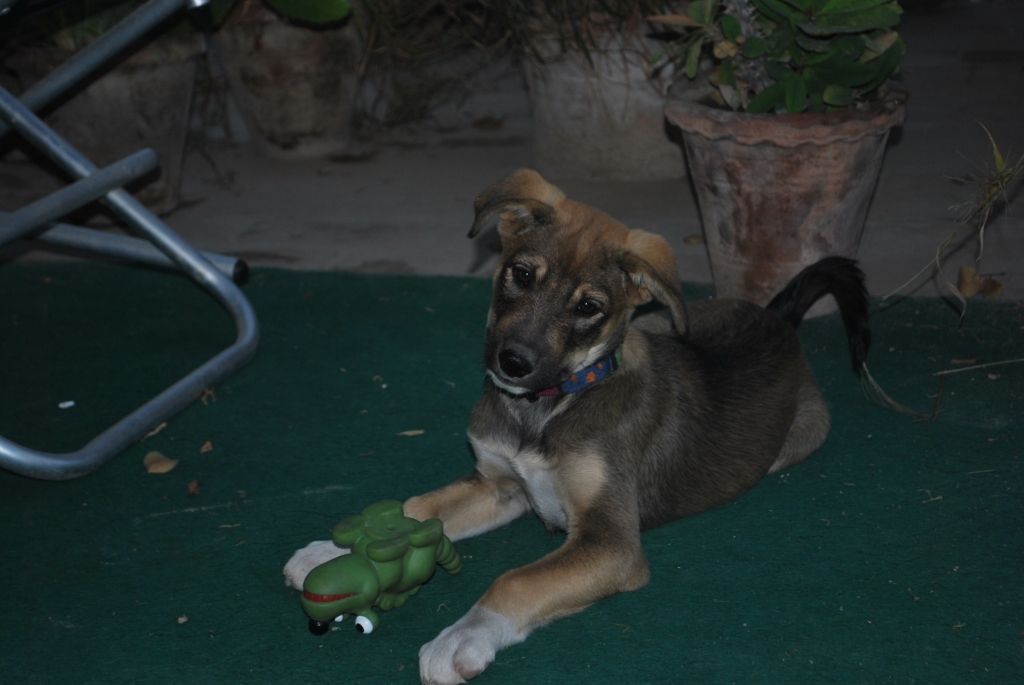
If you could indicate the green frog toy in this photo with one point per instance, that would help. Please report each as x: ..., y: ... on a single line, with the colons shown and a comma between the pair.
x: 392, y: 556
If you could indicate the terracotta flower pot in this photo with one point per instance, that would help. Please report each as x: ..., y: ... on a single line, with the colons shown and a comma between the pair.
x: 778, y: 192
x: 293, y: 85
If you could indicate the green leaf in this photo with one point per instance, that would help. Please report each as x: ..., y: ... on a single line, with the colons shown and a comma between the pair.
x: 730, y: 27
x: 879, y: 17
x: 796, y: 95
x: 313, y: 11
x: 850, y: 47
x: 812, y: 44
x: 779, y: 12
x: 848, y: 5
x: 713, y: 9
x: 838, y: 96
x: 767, y: 12
x: 697, y: 10
x: 879, y: 43
x: 767, y: 99
x: 755, y: 46
x: 727, y: 73
x: 814, y: 84
x: 845, y: 72
x: 819, y: 58
x: 885, y: 65
x: 693, y: 58
x: 800, y: 6
x: 779, y: 71
x: 1000, y: 163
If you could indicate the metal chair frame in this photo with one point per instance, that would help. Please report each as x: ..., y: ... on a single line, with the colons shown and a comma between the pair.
x: 161, y: 247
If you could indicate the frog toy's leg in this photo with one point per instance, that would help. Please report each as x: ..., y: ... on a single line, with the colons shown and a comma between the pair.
x: 367, y: 622
x: 387, y: 601
x: 448, y: 557
x: 402, y: 597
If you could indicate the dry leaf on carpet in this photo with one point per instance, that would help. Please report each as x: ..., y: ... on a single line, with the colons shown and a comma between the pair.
x: 207, y: 447
x: 158, y: 463
x: 193, y: 487
x: 412, y: 433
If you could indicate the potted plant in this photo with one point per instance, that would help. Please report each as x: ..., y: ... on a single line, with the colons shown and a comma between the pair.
x: 596, y: 97
x: 785, y: 109
x: 424, y: 55
x: 292, y: 68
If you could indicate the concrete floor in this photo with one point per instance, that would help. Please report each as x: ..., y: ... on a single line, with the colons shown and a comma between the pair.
x: 408, y: 208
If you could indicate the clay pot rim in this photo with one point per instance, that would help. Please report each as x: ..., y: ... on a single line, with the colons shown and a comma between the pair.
x: 785, y: 130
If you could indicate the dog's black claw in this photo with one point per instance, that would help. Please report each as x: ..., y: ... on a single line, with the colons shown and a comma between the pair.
x: 319, y: 627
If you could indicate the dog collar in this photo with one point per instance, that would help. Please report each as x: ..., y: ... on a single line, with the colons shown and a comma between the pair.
x: 585, y: 377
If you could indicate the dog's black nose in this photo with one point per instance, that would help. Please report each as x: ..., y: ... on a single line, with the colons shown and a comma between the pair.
x: 514, y: 363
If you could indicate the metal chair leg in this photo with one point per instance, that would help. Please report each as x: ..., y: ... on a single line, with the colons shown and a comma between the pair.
x: 133, y: 427
x: 76, y: 195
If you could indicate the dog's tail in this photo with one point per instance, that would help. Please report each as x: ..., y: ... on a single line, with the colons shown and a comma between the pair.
x: 841, y: 278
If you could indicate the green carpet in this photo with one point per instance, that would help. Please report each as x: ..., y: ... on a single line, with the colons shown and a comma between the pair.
x: 894, y: 555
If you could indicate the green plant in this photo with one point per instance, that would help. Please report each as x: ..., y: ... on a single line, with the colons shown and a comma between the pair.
x: 992, y: 193
x: 788, y: 55
x: 419, y: 54
x: 575, y: 24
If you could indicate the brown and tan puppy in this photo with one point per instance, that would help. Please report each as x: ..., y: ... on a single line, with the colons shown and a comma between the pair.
x: 686, y: 409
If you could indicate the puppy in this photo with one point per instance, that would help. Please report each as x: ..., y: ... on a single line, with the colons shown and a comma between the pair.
x: 606, y: 424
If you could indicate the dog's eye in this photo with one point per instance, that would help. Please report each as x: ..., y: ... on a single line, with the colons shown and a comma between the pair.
x: 588, y: 308
x: 523, y: 276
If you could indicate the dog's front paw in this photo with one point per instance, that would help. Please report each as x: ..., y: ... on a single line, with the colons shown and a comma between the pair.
x: 463, y: 650
x: 418, y: 508
x: 308, y: 558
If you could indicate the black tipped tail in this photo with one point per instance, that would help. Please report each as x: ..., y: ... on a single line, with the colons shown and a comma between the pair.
x: 841, y: 278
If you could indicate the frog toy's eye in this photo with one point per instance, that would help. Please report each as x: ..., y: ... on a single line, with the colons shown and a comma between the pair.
x: 363, y: 625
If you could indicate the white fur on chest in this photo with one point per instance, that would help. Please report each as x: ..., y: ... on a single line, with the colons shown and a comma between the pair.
x: 532, y: 472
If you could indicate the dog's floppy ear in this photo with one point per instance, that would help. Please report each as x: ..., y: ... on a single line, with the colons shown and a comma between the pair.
x: 521, y: 201
x: 651, y: 266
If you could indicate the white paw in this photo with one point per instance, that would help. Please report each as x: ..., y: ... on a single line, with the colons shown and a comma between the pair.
x: 463, y: 650
x: 308, y: 558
